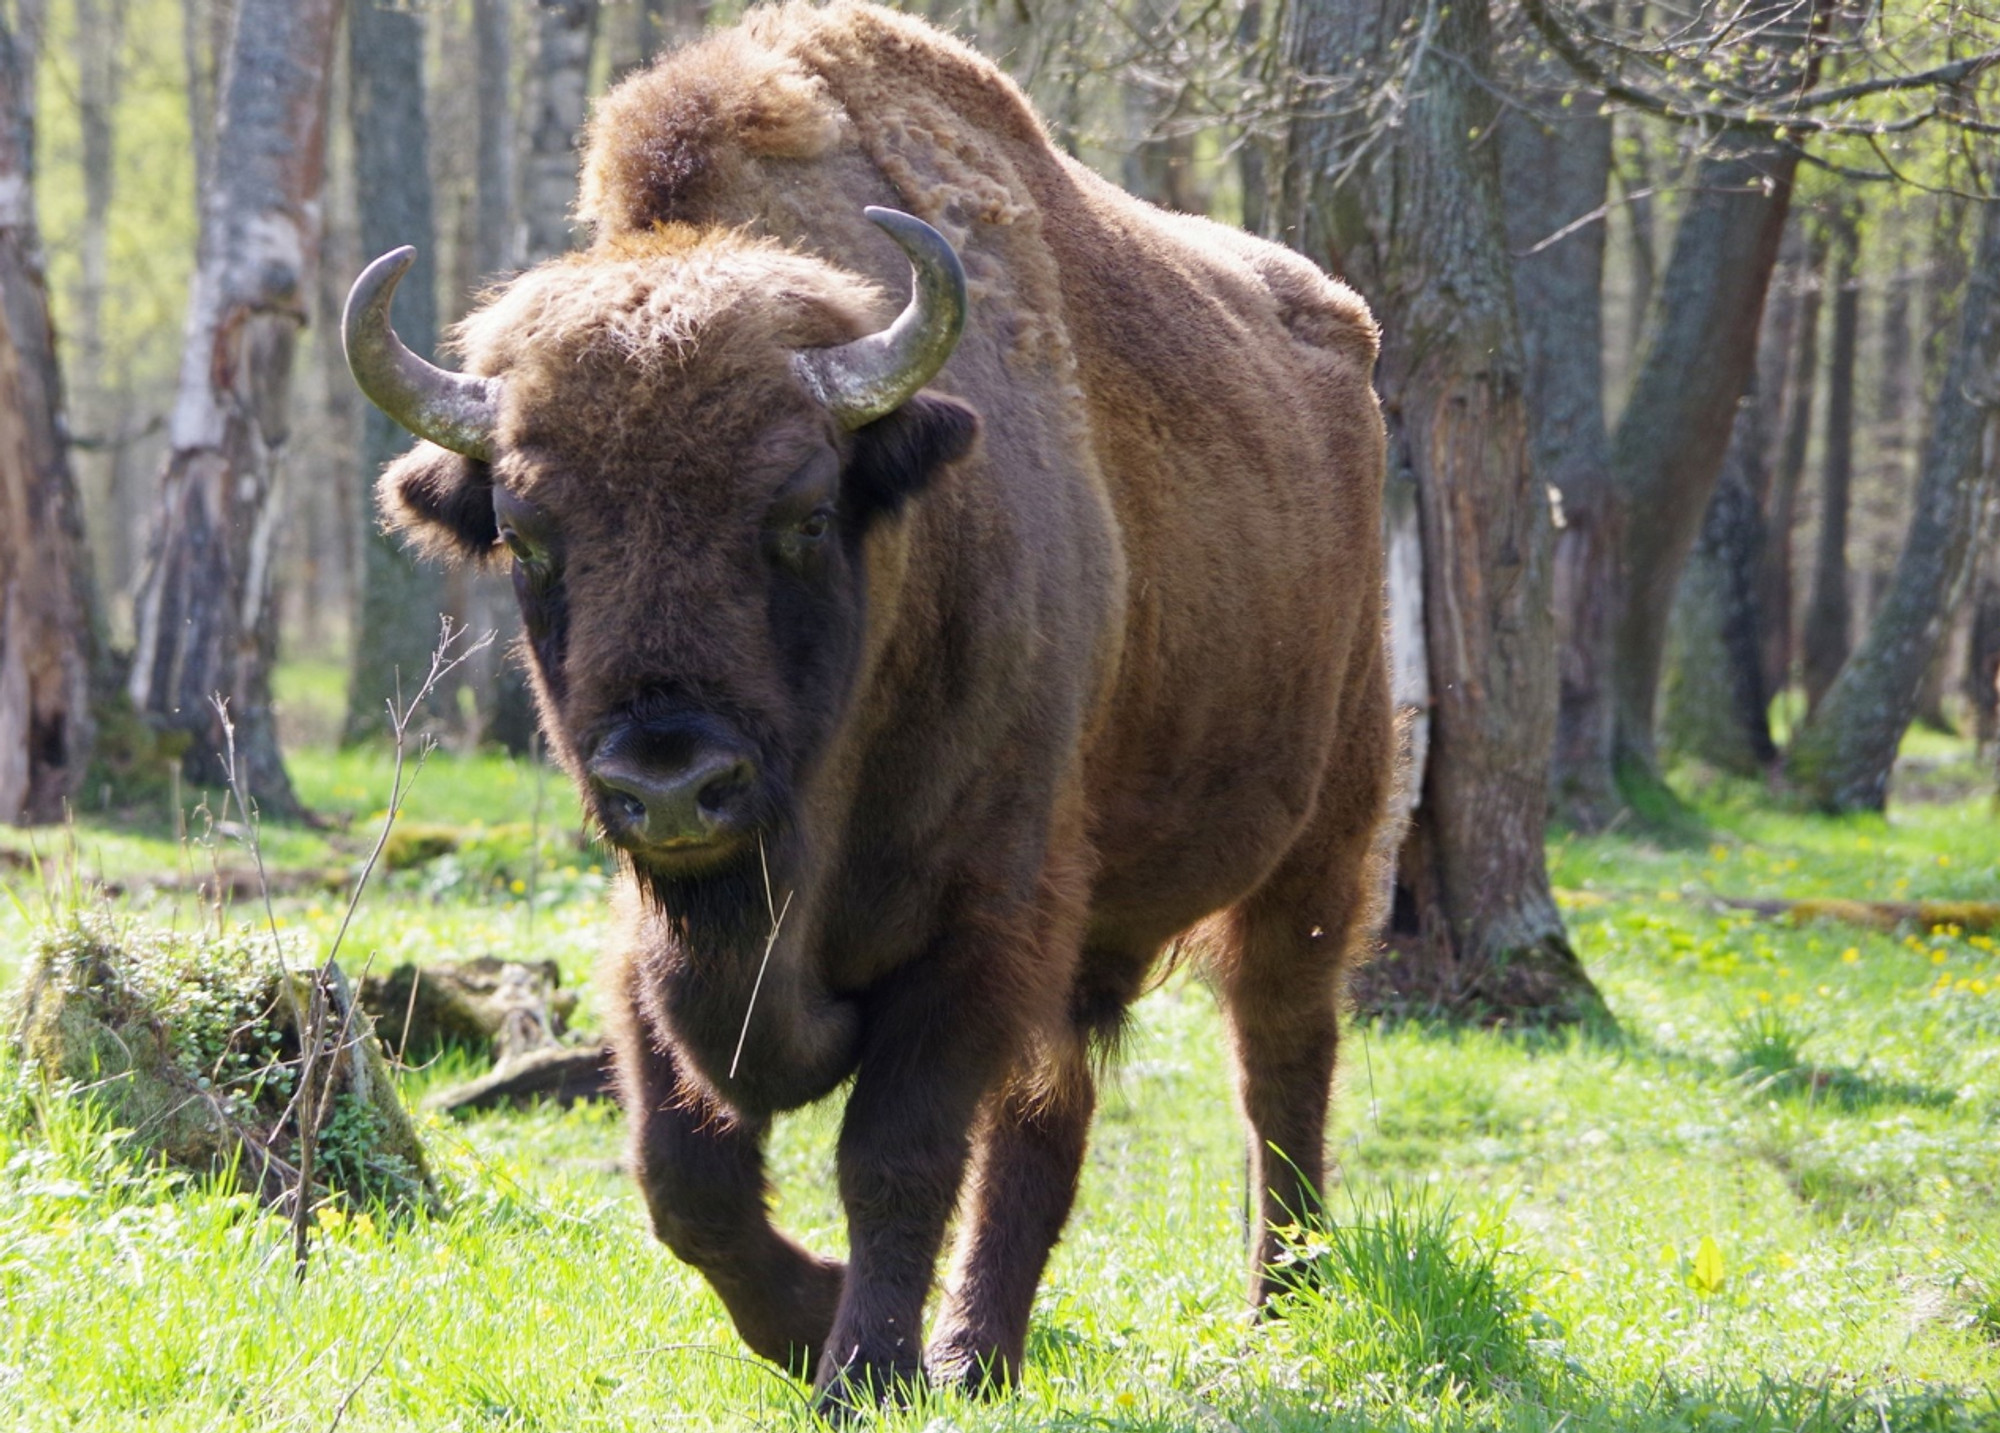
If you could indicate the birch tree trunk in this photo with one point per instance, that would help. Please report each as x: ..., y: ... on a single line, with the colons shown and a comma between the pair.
x: 47, y: 637
x: 206, y: 622
x: 400, y: 600
x: 1842, y: 757
x: 1418, y: 227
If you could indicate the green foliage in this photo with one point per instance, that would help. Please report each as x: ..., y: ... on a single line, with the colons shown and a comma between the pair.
x: 152, y: 227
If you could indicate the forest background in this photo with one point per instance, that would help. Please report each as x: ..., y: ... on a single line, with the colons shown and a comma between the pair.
x: 1691, y: 362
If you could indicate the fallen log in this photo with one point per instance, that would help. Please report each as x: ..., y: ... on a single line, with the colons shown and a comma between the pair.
x: 563, y: 1074
x: 502, y: 1007
x: 1966, y: 917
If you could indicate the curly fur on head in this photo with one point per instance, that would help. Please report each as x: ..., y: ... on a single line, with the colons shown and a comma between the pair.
x: 585, y: 341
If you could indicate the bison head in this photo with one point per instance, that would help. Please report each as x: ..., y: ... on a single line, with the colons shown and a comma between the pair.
x: 683, y: 449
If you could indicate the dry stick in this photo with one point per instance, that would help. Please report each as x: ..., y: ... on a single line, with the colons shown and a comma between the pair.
x: 318, y: 1109
x: 311, y: 1105
x: 777, y: 920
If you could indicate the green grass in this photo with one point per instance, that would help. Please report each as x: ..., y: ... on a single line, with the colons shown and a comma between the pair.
x: 1773, y: 1203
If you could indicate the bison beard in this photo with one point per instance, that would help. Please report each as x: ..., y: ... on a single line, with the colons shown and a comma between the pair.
x: 1008, y: 705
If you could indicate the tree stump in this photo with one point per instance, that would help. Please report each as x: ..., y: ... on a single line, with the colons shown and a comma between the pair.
x: 195, y: 1044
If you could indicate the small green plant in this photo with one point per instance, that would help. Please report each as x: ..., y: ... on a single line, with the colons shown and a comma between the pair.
x: 1769, y: 1045
x: 1407, y: 1292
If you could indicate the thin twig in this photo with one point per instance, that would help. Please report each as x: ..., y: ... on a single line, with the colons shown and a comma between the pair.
x: 777, y: 920
x: 347, y: 1398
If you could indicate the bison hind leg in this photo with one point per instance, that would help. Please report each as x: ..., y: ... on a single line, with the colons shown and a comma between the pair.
x: 1281, y: 970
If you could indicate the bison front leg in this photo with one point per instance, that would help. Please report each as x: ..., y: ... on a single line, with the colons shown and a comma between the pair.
x: 932, y: 1047
x: 703, y: 1177
x: 1031, y: 1151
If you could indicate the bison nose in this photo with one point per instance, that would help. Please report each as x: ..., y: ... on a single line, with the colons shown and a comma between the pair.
x: 703, y: 802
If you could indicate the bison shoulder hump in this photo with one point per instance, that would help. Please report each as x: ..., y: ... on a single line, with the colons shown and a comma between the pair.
x: 680, y: 130
x: 1318, y: 311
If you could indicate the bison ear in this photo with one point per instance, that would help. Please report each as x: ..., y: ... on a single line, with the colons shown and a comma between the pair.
x: 440, y: 502
x: 897, y: 456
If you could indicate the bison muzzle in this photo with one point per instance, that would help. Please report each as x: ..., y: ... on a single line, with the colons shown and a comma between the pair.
x: 933, y: 671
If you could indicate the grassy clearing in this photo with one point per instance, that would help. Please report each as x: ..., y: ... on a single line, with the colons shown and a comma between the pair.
x: 1773, y: 1203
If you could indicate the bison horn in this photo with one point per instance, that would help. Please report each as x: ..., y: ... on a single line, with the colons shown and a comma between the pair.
x: 873, y: 376
x: 449, y: 409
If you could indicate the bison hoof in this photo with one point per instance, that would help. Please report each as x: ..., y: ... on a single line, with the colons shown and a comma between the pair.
x: 973, y: 1365
x: 863, y: 1385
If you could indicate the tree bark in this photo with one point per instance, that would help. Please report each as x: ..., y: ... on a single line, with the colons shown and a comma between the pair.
x: 1982, y: 656
x: 205, y: 29
x: 1419, y: 226
x: 1825, y: 638
x: 98, y: 42
x: 498, y: 236
x: 1842, y: 757
x: 1715, y: 696
x: 1555, y: 167
x: 207, y: 625
x: 1774, y: 580
x: 1668, y: 450
x: 400, y: 599
x: 48, y: 641
x: 504, y: 705
x: 566, y: 31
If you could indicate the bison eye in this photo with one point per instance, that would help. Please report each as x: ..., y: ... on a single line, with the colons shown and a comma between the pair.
x: 798, y: 545
x: 518, y: 545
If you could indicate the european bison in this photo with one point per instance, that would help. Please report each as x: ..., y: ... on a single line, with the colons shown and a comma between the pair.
x: 931, y: 683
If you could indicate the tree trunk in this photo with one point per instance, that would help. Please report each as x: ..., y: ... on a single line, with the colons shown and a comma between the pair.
x: 1555, y: 167
x: 1774, y: 580
x: 565, y: 31
x: 400, y: 599
x: 1671, y: 438
x: 1715, y: 697
x: 1254, y: 163
x: 99, y: 34
x: 498, y: 234
x: 1825, y: 639
x: 1420, y: 228
x: 1637, y: 186
x: 207, y: 625
x: 1841, y: 759
x: 205, y: 30
x: 1982, y: 656
x: 48, y: 642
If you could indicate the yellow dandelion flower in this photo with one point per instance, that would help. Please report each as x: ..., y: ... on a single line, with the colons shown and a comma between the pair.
x: 1850, y: 956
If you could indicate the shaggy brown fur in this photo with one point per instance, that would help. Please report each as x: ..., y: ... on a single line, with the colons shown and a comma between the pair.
x: 1044, y: 701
